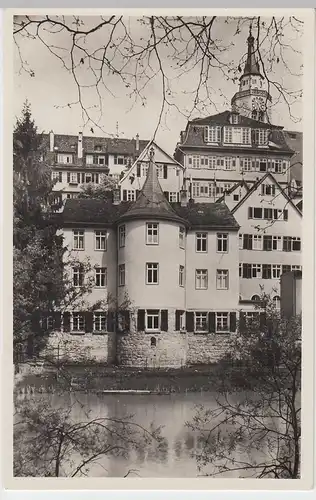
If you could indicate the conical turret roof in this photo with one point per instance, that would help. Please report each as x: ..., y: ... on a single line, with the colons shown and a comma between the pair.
x: 252, y: 65
x: 151, y: 201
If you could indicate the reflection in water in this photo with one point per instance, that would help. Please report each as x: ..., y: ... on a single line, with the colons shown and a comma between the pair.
x: 174, y: 457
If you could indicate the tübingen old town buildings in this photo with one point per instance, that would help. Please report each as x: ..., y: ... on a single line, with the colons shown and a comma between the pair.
x: 182, y: 250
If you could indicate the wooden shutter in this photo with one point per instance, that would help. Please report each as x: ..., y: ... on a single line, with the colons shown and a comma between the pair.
x: 138, y: 169
x: 164, y: 320
x: 137, y: 193
x: 126, y: 317
x: 124, y: 195
x: 206, y: 134
x: 57, y: 320
x: 68, y: 177
x: 178, y: 314
x: 66, y: 321
x: 165, y: 171
x: 166, y: 193
x: 141, y: 320
x: 285, y: 214
x: 250, y: 213
x: 190, y: 321
x: 232, y: 322
x: 242, y: 322
x: 88, y: 317
x: 211, y: 322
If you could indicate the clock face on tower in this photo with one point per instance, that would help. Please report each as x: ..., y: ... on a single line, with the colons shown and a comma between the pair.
x: 258, y: 104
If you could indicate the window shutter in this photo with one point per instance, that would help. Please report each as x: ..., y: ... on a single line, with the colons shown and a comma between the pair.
x: 57, y: 320
x: 232, y: 321
x: 164, y: 320
x: 165, y: 171
x: 78, y: 178
x: 137, y: 193
x: 190, y: 321
x: 68, y: 177
x: 88, y: 316
x: 178, y: 321
x: 211, y: 322
x: 166, y: 193
x: 242, y: 322
x: 141, y: 320
x: 66, y: 321
x: 124, y: 195
x: 138, y: 170
x: 205, y: 137
x: 250, y: 212
x: 285, y: 214
x: 178, y: 197
x: 127, y: 322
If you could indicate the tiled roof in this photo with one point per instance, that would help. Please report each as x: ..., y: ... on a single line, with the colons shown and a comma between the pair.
x: 151, y: 201
x: 68, y: 143
x: 224, y: 119
x: 90, y: 212
x: 233, y: 188
x: 295, y: 142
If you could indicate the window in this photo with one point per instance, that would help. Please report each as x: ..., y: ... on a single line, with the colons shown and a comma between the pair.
x: 267, y: 213
x: 222, y: 242
x: 201, y: 324
x: 277, y: 301
x: 78, y: 276
x: 255, y: 298
x: 152, y: 233
x: 120, y: 160
x: 222, y: 279
x: 195, y: 189
x: 121, y: 272
x: 159, y: 171
x: 201, y: 242
x: 99, y: 322
x: 263, y: 165
x: 247, y: 242
x: 236, y: 197
x: 89, y: 159
x: 100, y: 238
x: 212, y: 162
x: 246, y: 135
x: 213, y: 134
x: 291, y: 243
x: 181, y: 237
x: 276, y: 271
x: 122, y: 236
x: 201, y: 281
x: 78, y: 239
x: 228, y: 134
x: 257, y: 213
x: 296, y: 244
x: 77, y: 322
x: 64, y: 158
x: 222, y: 322
x: 100, y: 277
x: 245, y: 164
x: 257, y: 242
x: 73, y: 177
x: 268, y: 189
x: 153, y: 342
x: 152, y: 320
x: 287, y: 243
x: 204, y: 189
x: 267, y: 243
x: 152, y: 273
x: 58, y: 176
x: 173, y: 196
x: 260, y: 136
x: 286, y: 269
x: 296, y: 268
x: 129, y: 195
x: 181, y: 275
x: 98, y: 147
x: 256, y: 271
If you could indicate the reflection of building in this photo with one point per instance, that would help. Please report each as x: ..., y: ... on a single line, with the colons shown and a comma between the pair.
x: 291, y: 294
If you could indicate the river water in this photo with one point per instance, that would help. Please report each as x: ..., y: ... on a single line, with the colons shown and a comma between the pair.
x: 175, y: 459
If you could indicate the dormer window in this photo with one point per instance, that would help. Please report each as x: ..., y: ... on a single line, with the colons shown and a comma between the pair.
x: 260, y: 136
x: 237, y: 135
x: 212, y: 134
x: 234, y: 118
x: 97, y: 147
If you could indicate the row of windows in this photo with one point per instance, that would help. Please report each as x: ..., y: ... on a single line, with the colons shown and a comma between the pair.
x: 236, y: 135
x: 151, y: 238
x: 265, y: 271
x: 209, y: 189
x: 267, y: 213
x: 245, y: 164
x: 94, y: 159
x: 152, y: 276
x: 269, y: 243
x: 131, y: 195
x: 76, y: 177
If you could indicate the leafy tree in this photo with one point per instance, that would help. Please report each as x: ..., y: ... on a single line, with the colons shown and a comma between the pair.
x: 255, y: 429
x: 102, y: 191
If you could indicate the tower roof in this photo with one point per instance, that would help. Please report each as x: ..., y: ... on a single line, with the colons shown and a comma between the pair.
x: 151, y: 201
x: 252, y: 65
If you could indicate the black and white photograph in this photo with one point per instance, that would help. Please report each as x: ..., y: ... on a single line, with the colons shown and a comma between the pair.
x: 157, y: 245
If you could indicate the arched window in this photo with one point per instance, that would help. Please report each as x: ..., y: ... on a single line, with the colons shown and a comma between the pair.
x: 277, y: 301
x: 153, y: 341
x: 255, y: 298
x: 254, y: 114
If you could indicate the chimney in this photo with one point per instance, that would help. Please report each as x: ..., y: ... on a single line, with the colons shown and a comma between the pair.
x: 183, y: 197
x: 137, y: 143
x: 51, y: 141
x: 116, y: 196
x: 80, y: 145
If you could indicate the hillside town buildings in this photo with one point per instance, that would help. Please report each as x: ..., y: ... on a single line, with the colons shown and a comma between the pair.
x: 186, y: 244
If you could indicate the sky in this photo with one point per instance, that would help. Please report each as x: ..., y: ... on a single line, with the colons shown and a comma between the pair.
x: 52, y: 88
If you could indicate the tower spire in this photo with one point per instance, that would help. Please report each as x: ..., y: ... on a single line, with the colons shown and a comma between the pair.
x: 251, y: 66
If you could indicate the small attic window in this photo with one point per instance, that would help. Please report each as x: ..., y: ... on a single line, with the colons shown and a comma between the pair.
x: 97, y: 147
x: 234, y: 118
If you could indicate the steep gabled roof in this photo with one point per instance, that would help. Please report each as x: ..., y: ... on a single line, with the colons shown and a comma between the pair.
x: 224, y: 119
x: 255, y: 187
x: 142, y: 158
x: 151, y: 201
x: 92, y: 211
x: 203, y: 215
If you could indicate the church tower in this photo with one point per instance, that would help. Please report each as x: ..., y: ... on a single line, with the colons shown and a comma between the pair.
x: 252, y: 99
